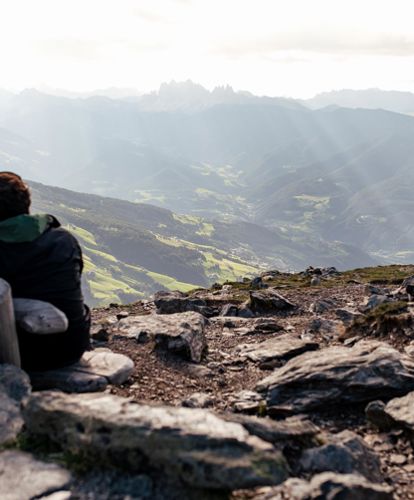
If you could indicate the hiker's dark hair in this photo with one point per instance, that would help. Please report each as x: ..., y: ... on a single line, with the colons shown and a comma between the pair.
x: 14, y: 196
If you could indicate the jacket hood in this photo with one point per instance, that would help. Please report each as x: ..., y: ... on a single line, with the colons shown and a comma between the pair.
x: 25, y: 228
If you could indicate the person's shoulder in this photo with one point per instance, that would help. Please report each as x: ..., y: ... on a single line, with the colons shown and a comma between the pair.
x: 56, y: 231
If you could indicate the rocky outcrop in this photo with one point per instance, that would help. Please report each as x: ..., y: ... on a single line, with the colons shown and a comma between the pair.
x: 14, y: 390
x: 23, y: 477
x: 194, y: 445
x: 182, y: 333
x: 365, y: 372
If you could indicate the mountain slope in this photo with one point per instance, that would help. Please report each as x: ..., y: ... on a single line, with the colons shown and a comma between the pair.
x: 133, y: 249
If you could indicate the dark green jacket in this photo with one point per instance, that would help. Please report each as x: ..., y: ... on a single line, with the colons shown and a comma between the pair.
x: 41, y: 260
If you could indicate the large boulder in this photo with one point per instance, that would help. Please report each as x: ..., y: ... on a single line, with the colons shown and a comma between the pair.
x: 193, y: 445
x: 182, y: 333
x: 269, y: 302
x: 269, y: 352
x: 369, y: 370
x: 14, y: 391
x: 23, y: 477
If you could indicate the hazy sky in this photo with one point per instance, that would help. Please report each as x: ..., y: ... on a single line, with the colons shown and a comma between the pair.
x: 273, y: 47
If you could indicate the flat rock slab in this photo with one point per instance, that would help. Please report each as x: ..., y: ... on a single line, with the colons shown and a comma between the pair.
x: 369, y: 370
x: 22, y: 477
x: 272, y: 350
x: 194, y: 445
x: 401, y: 411
x: 14, y: 390
x: 330, y: 486
x: 181, y: 333
x: 92, y: 373
x: 268, y: 302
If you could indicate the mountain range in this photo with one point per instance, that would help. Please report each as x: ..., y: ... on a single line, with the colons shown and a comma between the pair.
x: 308, y: 182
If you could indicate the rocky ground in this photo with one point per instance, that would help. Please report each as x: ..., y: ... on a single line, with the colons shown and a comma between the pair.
x: 284, y: 387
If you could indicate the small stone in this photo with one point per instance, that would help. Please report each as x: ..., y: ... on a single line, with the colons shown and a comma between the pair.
x: 315, y: 281
x: 248, y: 402
x: 229, y: 310
x: 375, y: 413
x: 348, y: 316
x: 396, y: 459
x: 322, y: 306
x: 198, y: 400
x: 199, y: 371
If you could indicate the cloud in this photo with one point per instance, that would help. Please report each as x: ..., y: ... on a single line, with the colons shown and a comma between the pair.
x: 93, y: 50
x: 322, y: 43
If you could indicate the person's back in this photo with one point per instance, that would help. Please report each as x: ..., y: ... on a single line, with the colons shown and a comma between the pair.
x: 43, y: 261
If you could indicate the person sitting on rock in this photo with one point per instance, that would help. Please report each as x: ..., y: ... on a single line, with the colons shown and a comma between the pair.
x: 41, y: 260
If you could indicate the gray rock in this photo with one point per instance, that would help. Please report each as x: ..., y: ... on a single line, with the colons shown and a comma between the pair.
x: 373, y: 290
x: 292, y: 430
x: 348, y: 316
x: 198, y: 400
x: 36, y: 316
x: 375, y: 413
x: 326, y: 327
x: 408, y: 285
x: 115, y: 485
x: 400, y: 411
x: 182, y: 333
x: 14, y: 391
x: 365, y: 372
x: 194, y: 445
x: 409, y: 349
x: 14, y: 383
x: 330, y: 486
x: 245, y: 312
x: 345, y: 453
x: 268, y: 302
x: 229, y: 310
x: 178, y: 302
x: 23, y: 477
x: 322, y: 306
x: 375, y: 301
x: 248, y: 402
x: 315, y: 281
x: 92, y: 373
x: 269, y: 352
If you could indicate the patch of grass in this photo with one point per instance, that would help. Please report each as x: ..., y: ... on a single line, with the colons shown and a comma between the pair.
x: 171, y: 283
